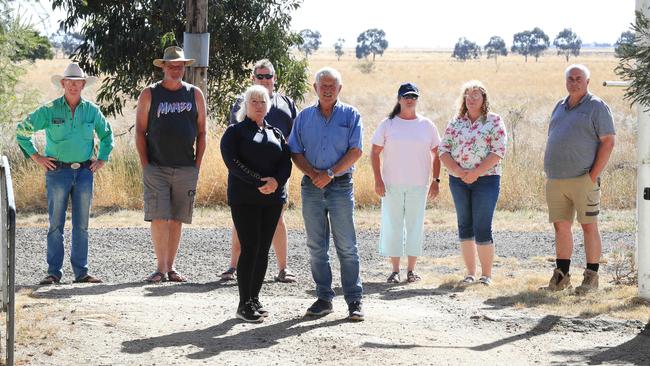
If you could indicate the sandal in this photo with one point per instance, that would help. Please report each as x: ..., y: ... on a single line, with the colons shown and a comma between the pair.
x: 174, y: 276
x: 155, y: 277
x: 468, y: 280
x: 88, y: 279
x: 411, y: 276
x: 229, y: 275
x: 393, y: 278
x: 49, y: 280
x: 487, y: 281
x: 285, y: 276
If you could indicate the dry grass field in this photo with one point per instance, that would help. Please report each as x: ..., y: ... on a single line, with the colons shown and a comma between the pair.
x: 522, y: 93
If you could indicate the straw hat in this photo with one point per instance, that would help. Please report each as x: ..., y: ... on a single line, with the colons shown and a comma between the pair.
x: 173, y: 53
x: 73, y: 72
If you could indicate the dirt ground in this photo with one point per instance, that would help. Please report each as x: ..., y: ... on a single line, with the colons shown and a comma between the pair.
x: 428, y: 323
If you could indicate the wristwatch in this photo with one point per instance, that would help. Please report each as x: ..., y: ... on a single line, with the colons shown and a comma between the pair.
x: 436, y: 180
x: 330, y: 173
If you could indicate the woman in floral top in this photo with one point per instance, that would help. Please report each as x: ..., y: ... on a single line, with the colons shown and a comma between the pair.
x: 471, y: 149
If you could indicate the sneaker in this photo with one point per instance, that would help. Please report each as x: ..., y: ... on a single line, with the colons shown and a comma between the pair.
x: 229, y: 274
x: 485, y: 280
x: 248, y: 313
x: 285, y: 276
x: 355, y: 311
x: 559, y: 281
x: 320, y: 307
x: 260, y: 308
x: 589, y: 282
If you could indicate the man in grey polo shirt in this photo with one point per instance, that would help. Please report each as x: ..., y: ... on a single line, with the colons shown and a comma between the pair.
x: 580, y: 141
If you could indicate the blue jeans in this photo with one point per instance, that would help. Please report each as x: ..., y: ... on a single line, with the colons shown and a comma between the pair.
x: 475, y: 204
x: 332, y: 206
x: 62, y: 184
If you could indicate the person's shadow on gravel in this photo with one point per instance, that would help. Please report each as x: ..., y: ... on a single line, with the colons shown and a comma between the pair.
x: 67, y: 291
x: 212, y: 340
x: 186, y: 288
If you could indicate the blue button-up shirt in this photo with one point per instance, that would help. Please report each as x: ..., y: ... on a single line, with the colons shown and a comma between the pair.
x: 325, y: 141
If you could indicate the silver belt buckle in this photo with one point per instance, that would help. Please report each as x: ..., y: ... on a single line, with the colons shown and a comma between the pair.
x: 75, y: 165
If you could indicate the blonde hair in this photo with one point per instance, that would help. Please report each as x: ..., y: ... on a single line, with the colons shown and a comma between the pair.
x: 467, y: 87
x: 255, y: 91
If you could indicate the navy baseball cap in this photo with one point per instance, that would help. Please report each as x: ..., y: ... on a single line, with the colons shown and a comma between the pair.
x: 408, y: 88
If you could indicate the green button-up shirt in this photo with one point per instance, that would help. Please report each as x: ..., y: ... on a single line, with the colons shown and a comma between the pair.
x: 67, y: 139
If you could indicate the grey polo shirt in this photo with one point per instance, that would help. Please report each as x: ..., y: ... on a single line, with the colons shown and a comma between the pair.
x: 574, y: 136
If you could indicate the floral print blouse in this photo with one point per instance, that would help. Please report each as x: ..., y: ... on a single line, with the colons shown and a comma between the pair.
x: 469, y: 143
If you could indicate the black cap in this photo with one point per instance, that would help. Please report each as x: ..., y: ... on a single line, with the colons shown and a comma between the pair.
x: 408, y: 88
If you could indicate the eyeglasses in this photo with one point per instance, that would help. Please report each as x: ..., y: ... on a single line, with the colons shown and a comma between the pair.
x: 474, y: 96
x: 264, y: 76
x: 410, y: 96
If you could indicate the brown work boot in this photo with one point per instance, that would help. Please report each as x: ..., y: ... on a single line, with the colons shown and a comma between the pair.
x: 589, y: 282
x: 559, y: 281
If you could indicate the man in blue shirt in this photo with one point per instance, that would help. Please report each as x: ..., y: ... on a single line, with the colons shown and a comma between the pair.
x: 325, y: 143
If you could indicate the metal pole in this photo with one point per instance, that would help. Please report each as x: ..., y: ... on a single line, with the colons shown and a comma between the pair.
x: 643, y: 186
x: 10, y: 212
x: 197, y: 22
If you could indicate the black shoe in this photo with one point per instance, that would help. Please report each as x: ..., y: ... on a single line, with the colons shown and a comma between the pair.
x: 355, y: 311
x: 259, y: 307
x: 248, y: 313
x: 320, y: 307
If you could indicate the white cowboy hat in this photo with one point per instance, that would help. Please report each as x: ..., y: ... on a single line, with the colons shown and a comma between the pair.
x: 173, y: 53
x: 73, y: 72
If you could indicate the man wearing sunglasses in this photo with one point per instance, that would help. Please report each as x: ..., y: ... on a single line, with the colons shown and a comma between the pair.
x: 281, y: 115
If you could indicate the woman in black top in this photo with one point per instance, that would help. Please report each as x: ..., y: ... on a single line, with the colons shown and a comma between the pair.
x: 259, y: 165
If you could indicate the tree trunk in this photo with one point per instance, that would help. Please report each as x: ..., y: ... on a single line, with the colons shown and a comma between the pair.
x: 197, y: 22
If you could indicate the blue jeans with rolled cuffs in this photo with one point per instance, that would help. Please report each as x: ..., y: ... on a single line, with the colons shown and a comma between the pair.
x: 332, y: 208
x: 63, y: 184
x: 475, y: 204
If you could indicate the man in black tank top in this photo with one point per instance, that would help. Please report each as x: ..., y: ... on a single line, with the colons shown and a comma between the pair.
x: 170, y: 139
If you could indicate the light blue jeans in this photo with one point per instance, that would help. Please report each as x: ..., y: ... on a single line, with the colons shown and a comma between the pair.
x: 322, y: 209
x: 62, y: 184
x: 402, y: 220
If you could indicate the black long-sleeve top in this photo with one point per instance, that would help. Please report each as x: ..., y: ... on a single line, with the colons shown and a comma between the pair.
x: 252, y: 153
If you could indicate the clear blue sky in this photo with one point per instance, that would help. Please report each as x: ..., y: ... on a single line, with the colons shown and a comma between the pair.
x: 432, y: 24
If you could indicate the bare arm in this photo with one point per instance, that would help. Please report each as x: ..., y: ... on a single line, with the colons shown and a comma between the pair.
x: 141, y: 123
x: 434, y: 188
x: 375, y: 161
x: 304, y: 166
x: 350, y: 157
x: 200, y: 124
x: 602, y: 156
x: 451, y: 165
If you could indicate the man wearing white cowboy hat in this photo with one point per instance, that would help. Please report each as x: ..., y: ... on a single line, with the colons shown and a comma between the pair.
x: 170, y: 139
x: 70, y: 123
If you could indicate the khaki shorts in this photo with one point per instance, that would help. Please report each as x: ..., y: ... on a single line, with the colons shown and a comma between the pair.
x: 169, y: 192
x: 566, y: 197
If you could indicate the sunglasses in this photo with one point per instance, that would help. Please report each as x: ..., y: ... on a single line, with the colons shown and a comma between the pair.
x: 410, y: 96
x: 264, y: 76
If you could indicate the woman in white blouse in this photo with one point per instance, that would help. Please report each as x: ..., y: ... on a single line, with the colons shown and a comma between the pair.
x: 404, y: 155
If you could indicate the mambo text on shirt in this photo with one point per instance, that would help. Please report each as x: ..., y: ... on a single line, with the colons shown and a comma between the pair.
x: 174, y: 107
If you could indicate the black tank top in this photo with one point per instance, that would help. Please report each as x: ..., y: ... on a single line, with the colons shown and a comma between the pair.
x: 172, y: 129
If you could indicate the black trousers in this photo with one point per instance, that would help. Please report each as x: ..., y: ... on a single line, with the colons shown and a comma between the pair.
x: 255, y: 227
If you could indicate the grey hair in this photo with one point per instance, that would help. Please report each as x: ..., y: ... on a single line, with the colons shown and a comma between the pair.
x: 255, y: 91
x: 328, y: 71
x: 580, y: 67
x: 263, y: 64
